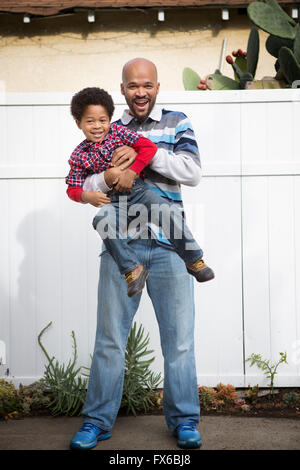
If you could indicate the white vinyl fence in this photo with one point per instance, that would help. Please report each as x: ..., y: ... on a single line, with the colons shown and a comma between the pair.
x: 245, y: 213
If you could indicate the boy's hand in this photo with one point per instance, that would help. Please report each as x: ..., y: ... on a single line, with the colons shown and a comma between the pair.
x: 96, y: 198
x: 125, y: 180
x: 123, y: 157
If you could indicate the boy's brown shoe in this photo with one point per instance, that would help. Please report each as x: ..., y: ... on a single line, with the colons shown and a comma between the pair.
x: 200, y: 270
x: 136, y: 284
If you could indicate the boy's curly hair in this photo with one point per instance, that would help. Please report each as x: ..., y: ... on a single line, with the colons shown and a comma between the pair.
x: 91, y: 96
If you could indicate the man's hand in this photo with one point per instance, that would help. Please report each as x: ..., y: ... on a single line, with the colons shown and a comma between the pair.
x: 125, y: 180
x: 111, y: 176
x: 123, y: 157
x: 95, y: 198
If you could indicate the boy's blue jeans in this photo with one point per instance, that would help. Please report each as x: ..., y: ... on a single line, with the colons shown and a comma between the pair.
x: 143, y: 202
x: 170, y: 289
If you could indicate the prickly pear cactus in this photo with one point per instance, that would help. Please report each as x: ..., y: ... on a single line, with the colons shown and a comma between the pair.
x: 274, y: 44
x: 289, y: 65
x: 216, y: 81
x: 273, y: 4
x: 297, y: 45
x: 190, y: 79
x: 241, y: 63
x: 269, y: 19
x: 252, y: 51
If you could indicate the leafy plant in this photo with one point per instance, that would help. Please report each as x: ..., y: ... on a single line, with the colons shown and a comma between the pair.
x: 10, y: 403
x: 34, y: 397
x: 252, y: 394
x: 67, y: 389
x: 140, y: 384
x: 207, y: 397
x: 220, y: 398
x: 270, y: 370
x: 226, y: 393
x: 292, y: 399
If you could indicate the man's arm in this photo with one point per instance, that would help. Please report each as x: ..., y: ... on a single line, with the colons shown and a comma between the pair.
x: 183, y: 163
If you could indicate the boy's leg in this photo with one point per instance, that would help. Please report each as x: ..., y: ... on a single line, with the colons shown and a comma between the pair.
x: 111, y: 224
x: 167, y: 215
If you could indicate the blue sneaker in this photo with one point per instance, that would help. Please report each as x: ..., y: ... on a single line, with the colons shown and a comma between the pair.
x: 188, y: 436
x: 88, y: 436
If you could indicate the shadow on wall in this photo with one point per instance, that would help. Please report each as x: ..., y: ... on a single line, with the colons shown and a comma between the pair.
x: 35, y: 290
x: 53, y: 273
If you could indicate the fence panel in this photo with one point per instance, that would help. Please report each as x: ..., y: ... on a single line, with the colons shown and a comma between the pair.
x: 244, y: 212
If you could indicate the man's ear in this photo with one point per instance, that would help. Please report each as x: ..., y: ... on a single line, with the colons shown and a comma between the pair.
x: 78, y: 124
x: 122, y: 89
x: 157, y: 87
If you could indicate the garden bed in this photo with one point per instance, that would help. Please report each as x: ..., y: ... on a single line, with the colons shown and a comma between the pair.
x: 285, y: 403
x: 250, y: 402
x: 221, y: 400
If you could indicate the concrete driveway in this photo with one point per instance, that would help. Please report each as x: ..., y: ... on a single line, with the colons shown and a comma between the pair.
x: 151, y: 433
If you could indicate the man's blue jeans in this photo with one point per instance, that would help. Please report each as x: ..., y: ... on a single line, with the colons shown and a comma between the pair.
x: 170, y: 288
x: 112, y: 221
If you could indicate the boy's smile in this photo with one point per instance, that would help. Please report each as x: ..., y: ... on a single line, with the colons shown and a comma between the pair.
x: 94, y: 123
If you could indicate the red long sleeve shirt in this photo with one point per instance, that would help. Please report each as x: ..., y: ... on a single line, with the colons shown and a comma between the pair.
x: 89, y: 158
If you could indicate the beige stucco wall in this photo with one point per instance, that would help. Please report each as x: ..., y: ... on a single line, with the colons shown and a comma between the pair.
x: 68, y: 53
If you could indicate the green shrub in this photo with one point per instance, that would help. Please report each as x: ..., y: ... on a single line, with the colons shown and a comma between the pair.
x: 10, y: 403
x: 292, y: 399
x: 67, y: 390
x: 140, y: 384
x: 34, y: 397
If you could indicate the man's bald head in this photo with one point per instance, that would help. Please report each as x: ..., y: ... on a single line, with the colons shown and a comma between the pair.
x: 139, y: 63
x: 140, y: 87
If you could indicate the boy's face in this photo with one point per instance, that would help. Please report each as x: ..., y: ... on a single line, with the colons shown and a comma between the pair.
x: 95, y: 123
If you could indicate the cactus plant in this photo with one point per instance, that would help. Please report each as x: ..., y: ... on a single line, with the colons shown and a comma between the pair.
x: 283, y: 43
x: 269, y: 19
x: 280, y: 11
x: 297, y: 45
x: 274, y: 43
x: 190, y: 79
x: 284, y: 40
x: 252, y: 51
x: 245, y: 64
x: 216, y: 81
x: 289, y: 65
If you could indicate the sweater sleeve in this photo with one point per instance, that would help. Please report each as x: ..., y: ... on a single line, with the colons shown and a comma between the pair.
x: 74, y: 193
x: 181, y: 162
x: 145, y: 152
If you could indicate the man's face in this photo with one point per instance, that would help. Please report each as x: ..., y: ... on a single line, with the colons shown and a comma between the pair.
x: 140, y: 88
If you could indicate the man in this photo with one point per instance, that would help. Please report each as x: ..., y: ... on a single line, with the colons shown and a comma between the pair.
x: 169, y: 285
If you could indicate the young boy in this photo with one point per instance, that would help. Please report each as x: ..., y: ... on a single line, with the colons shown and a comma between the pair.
x: 92, y: 109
